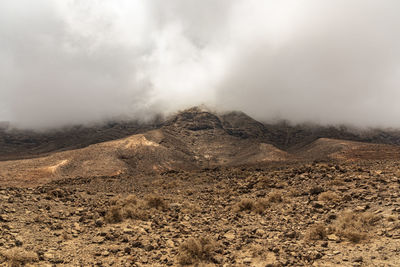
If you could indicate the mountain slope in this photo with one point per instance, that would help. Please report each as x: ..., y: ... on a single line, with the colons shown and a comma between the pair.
x: 17, y: 144
x: 192, y: 140
x: 20, y: 144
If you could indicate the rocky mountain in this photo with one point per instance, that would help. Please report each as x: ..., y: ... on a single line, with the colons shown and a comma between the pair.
x: 191, y: 140
x: 18, y: 144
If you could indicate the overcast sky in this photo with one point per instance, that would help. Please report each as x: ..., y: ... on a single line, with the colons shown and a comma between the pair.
x: 72, y: 61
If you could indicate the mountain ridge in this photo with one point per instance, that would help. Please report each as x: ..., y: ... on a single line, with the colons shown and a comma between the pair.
x: 192, y: 140
x: 19, y: 144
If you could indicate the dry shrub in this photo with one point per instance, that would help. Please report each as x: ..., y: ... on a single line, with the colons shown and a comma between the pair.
x: 328, y: 196
x: 135, y: 212
x: 130, y: 200
x: 258, y: 206
x: 197, y: 250
x: 114, y: 215
x: 245, y: 204
x: 18, y: 257
x: 275, y: 197
x: 133, y: 208
x: 154, y: 201
x: 317, y: 232
x: 355, y: 226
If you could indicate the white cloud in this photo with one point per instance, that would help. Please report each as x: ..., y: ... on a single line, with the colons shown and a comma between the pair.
x: 65, y: 62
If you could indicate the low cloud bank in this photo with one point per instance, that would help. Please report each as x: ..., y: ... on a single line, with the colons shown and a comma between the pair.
x: 70, y: 62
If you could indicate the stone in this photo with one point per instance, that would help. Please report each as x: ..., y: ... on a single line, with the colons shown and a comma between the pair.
x: 105, y: 253
x: 230, y: 236
x: 98, y: 239
x: 333, y: 237
x: 170, y: 243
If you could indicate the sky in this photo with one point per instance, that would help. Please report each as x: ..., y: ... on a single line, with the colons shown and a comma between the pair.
x: 65, y: 62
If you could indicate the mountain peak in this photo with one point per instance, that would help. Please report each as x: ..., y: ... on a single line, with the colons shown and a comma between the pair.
x: 195, y: 119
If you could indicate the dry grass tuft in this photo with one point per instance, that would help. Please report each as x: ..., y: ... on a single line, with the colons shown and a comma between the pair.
x: 114, y: 215
x: 154, y: 201
x: 245, y: 204
x: 349, y: 225
x: 355, y: 226
x: 131, y: 200
x: 329, y: 197
x: 275, y: 197
x: 258, y: 206
x: 317, y: 232
x: 18, y: 257
x: 197, y: 250
x: 133, y: 208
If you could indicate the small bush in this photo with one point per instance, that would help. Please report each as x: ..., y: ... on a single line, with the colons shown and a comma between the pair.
x: 18, y: 257
x: 131, y: 200
x: 134, y: 212
x: 245, y: 204
x: 275, y: 197
x: 328, y: 196
x: 114, y: 215
x: 317, y: 232
x: 355, y: 226
x: 133, y: 208
x: 258, y: 205
x: 251, y: 205
x: 154, y: 201
x: 197, y: 250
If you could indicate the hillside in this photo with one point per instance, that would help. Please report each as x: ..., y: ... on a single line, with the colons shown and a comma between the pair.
x: 19, y: 144
x: 191, y: 140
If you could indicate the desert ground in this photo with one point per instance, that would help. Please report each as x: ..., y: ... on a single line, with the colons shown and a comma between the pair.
x: 192, y: 193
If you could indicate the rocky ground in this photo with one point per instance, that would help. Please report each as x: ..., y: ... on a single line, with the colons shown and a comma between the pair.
x: 320, y: 214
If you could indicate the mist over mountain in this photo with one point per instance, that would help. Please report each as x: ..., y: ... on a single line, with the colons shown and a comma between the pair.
x: 228, y: 135
x: 77, y: 62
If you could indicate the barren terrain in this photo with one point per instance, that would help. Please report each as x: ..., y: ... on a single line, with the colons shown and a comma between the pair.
x: 193, y: 192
